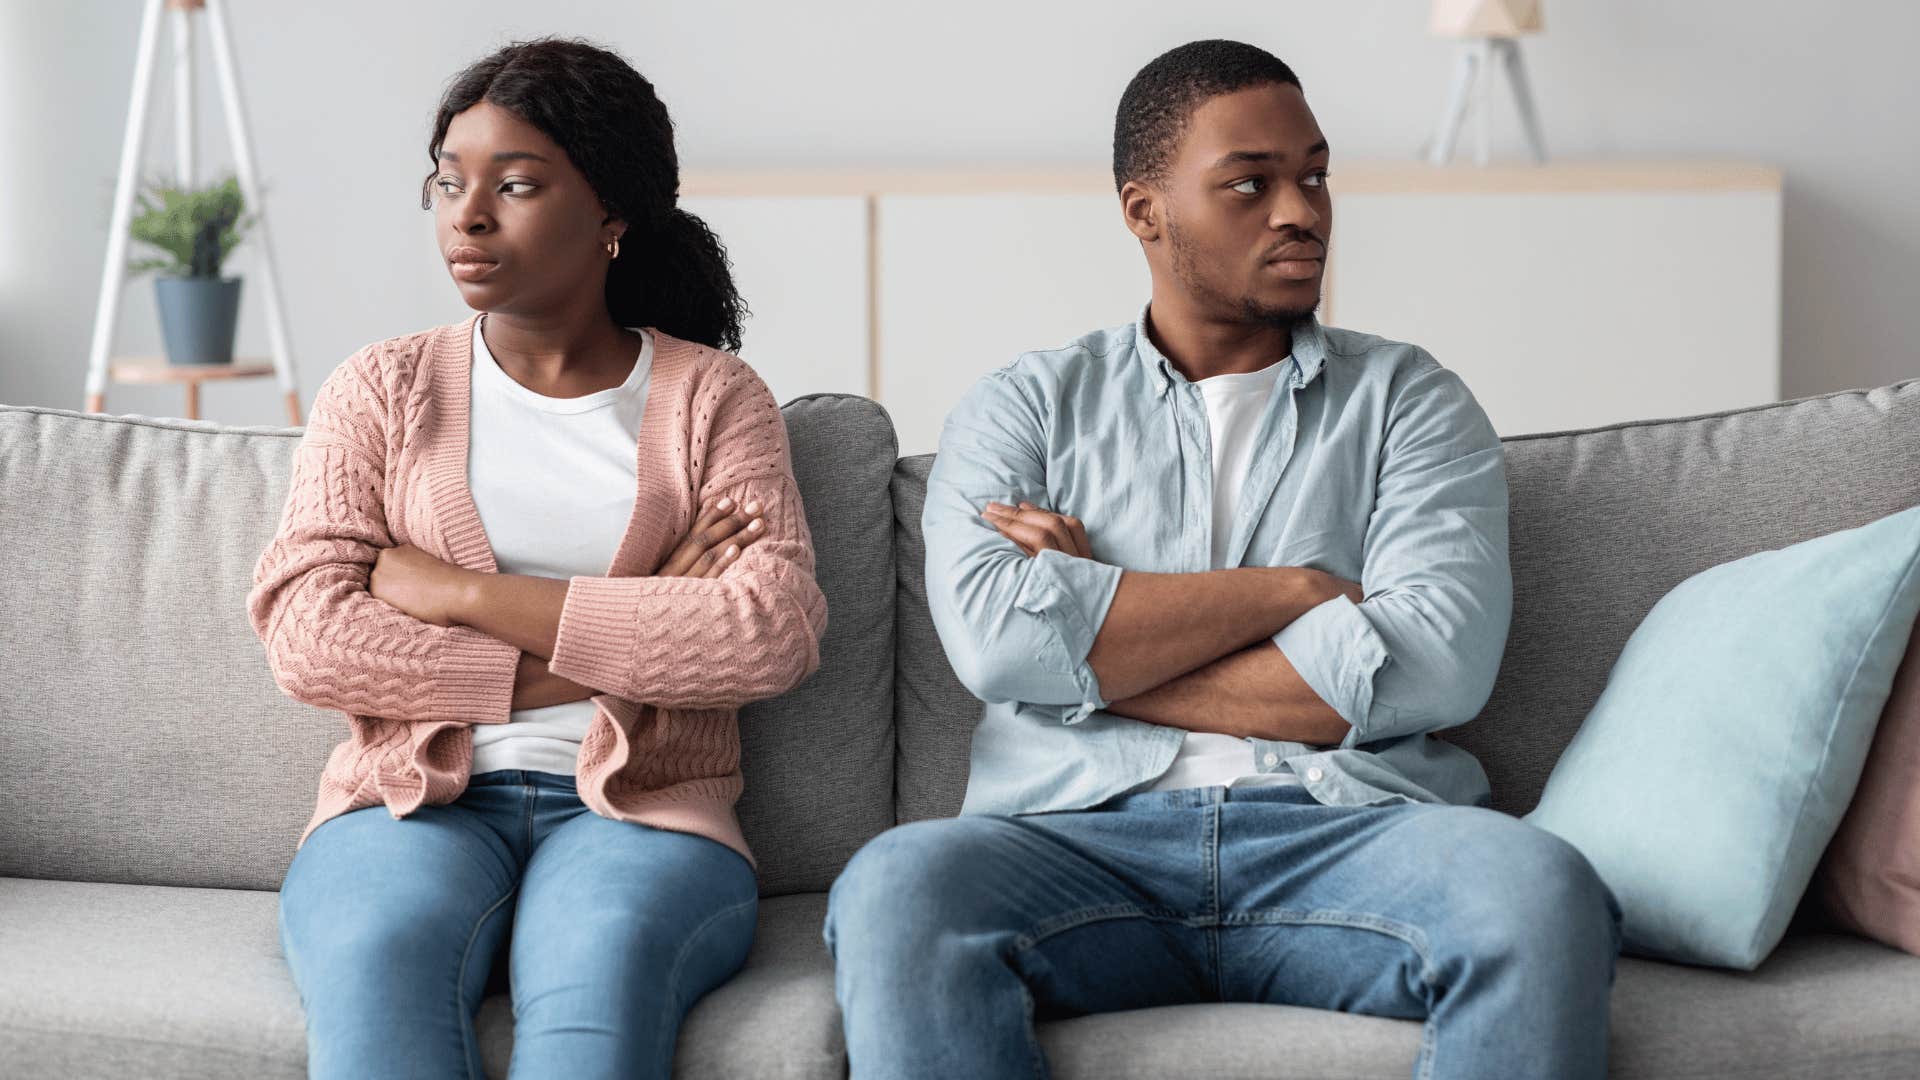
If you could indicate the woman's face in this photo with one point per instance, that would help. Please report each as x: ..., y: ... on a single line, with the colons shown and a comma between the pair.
x: 520, y: 228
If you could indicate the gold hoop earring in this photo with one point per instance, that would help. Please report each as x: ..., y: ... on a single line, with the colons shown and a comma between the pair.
x: 613, y: 248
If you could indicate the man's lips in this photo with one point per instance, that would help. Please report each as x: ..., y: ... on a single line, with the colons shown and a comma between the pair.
x: 1296, y: 260
x: 1297, y: 252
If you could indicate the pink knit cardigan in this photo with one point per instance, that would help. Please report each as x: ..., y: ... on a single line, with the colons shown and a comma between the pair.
x: 383, y: 461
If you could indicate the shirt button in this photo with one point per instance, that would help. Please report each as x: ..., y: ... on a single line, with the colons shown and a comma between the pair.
x: 1272, y: 759
x: 1314, y: 774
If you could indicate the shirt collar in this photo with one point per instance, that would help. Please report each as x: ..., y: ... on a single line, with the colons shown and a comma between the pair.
x: 1309, y: 352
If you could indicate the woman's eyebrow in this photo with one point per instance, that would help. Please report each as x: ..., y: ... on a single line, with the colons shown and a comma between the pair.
x: 504, y: 155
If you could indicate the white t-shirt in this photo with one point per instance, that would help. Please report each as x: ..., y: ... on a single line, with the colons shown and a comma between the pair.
x: 1236, y: 405
x: 554, y: 480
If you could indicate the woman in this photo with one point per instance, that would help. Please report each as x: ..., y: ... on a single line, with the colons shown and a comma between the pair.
x: 539, y: 557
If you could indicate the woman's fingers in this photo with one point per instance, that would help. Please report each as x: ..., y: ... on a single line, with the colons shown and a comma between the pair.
x: 723, y: 560
x: 721, y: 525
x: 719, y: 531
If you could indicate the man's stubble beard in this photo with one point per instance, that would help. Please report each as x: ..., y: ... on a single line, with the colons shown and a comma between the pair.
x: 1186, y: 270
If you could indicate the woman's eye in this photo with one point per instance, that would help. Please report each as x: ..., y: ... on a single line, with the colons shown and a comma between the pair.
x: 517, y: 183
x: 1250, y: 186
x: 443, y: 184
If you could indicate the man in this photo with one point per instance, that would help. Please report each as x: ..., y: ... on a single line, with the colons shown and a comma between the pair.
x: 1219, y: 574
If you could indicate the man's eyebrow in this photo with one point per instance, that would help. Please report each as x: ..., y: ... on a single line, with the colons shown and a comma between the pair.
x: 1242, y: 157
x: 504, y: 155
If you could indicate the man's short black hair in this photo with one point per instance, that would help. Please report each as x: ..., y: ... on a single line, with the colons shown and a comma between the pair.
x: 1161, y: 98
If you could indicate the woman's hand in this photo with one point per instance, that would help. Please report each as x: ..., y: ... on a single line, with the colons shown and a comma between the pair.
x: 424, y: 587
x: 534, y: 687
x: 716, y: 540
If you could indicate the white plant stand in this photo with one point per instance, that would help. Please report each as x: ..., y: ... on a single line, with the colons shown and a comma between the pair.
x: 114, y: 274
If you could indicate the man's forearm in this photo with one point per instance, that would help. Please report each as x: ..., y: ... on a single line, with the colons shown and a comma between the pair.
x: 1253, y: 693
x: 1162, y: 626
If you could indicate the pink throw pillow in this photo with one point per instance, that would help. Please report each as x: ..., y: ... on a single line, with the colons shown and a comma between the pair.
x: 1869, y: 879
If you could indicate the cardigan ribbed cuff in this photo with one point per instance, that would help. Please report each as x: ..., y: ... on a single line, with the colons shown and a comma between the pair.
x: 595, y: 644
x: 473, y: 682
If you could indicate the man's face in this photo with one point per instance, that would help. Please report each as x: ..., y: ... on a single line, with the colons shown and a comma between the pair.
x: 1245, y: 213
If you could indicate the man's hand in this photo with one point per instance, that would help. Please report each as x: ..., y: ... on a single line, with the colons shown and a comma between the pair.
x: 420, y: 585
x: 1035, y: 529
x: 715, y: 541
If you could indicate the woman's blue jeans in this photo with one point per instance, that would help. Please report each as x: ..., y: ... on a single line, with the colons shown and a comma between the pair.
x: 391, y: 928
x: 951, y: 937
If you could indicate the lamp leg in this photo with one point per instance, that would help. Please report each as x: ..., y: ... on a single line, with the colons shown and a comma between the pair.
x: 1483, y: 108
x: 1523, y: 97
x: 1457, y: 97
x: 113, y: 274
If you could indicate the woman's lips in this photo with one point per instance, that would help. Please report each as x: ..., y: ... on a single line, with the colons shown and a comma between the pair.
x: 472, y: 269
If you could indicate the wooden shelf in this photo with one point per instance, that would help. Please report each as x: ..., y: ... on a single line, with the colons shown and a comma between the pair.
x: 153, y: 370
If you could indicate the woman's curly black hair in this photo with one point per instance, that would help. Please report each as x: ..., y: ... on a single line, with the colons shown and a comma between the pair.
x: 612, y: 125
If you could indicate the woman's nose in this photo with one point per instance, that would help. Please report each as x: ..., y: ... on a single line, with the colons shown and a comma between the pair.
x: 472, y: 215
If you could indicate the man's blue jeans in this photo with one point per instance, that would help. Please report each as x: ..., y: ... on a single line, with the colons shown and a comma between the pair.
x: 950, y: 937
x: 391, y: 929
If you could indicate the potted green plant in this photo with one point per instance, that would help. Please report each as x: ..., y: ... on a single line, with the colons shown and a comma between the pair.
x: 193, y: 229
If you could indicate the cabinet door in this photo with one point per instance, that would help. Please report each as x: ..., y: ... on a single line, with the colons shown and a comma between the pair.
x: 1572, y: 309
x: 968, y: 282
x: 801, y: 264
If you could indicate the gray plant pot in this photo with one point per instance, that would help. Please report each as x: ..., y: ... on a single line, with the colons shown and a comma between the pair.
x: 197, y: 318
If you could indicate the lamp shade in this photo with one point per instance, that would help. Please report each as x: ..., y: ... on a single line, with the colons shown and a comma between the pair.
x: 1485, y: 18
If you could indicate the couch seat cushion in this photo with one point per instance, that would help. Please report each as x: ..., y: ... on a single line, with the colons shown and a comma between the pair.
x: 158, y: 982
x: 151, y: 981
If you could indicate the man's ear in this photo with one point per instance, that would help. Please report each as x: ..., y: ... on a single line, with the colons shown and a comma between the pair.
x: 1140, y: 207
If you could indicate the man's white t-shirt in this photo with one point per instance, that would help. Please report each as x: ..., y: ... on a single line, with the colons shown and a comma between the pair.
x: 554, y: 480
x: 1236, y: 405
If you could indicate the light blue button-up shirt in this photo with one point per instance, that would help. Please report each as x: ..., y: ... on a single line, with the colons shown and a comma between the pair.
x: 1373, y: 463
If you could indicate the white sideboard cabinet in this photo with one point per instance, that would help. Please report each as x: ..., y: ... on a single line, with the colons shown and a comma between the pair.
x: 1566, y: 295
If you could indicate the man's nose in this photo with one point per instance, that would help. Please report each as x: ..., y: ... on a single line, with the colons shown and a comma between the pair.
x: 1291, y: 209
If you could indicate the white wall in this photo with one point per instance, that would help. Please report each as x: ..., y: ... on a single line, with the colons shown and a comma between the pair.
x: 340, y: 95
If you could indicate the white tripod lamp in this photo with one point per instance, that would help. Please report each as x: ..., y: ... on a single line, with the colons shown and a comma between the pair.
x: 1488, y: 31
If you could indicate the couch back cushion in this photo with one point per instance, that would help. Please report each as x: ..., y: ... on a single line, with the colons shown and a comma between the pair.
x: 1604, y: 522
x: 142, y: 738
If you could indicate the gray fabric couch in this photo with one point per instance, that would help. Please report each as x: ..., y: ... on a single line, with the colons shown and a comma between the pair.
x: 153, y: 779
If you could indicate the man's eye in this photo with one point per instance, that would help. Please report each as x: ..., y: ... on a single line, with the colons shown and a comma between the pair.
x: 1319, y: 178
x: 1250, y: 186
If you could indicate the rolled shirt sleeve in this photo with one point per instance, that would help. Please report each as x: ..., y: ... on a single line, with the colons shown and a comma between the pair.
x: 1421, y: 651
x: 1015, y: 629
